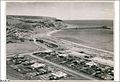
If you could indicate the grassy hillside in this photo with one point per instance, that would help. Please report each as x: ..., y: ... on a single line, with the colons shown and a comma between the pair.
x: 21, y: 27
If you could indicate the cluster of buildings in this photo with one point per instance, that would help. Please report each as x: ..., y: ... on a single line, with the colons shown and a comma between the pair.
x: 79, y: 62
x: 35, y: 70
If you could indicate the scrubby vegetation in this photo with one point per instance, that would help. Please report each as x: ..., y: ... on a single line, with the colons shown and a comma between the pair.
x: 20, y: 27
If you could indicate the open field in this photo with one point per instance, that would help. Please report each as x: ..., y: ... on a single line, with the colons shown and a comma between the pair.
x: 22, y: 47
x: 98, y: 38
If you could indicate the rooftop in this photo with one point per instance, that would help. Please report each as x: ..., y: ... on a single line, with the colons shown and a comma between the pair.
x: 63, y: 55
x: 59, y: 74
x: 37, y: 65
x: 91, y: 63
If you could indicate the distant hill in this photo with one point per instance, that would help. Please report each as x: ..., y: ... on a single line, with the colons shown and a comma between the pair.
x: 36, y: 21
x: 20, y: 26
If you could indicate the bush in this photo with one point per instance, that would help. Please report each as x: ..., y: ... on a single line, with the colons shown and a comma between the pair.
x: 23, y: 26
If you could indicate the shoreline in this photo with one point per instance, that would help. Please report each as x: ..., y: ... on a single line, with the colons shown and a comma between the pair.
x: 50, y: 34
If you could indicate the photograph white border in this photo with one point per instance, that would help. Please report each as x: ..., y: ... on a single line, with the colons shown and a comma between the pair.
x: 116, y: 37
x: 3, y: 41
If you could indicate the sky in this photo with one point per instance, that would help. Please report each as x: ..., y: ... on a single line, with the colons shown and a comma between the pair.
x: 64, y: 10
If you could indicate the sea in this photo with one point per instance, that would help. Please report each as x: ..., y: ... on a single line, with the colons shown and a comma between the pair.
x: 91, y: 23
x: 97, y: 37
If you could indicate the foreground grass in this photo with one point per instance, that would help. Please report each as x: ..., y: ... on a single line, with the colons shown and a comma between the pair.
x: 21, y: 47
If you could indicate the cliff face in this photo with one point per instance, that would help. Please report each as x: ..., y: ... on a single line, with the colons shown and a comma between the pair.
x: 20, y: 26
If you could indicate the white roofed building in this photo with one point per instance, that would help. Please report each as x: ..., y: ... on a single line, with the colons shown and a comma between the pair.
x: 91, y: 64
x: 63, y: 55
x: 59, y: 74
x: 37, y: 65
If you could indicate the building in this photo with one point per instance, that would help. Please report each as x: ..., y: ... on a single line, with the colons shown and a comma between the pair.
x: 91, y: 64
x: 62, y: 55
x: 37, y: 65
x: 77, y: 54
x: 33, y: 61
x: 59, y: 74
x: 20, y: 56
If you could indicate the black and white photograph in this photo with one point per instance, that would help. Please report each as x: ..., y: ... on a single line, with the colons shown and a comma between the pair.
x: 60, y: 40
